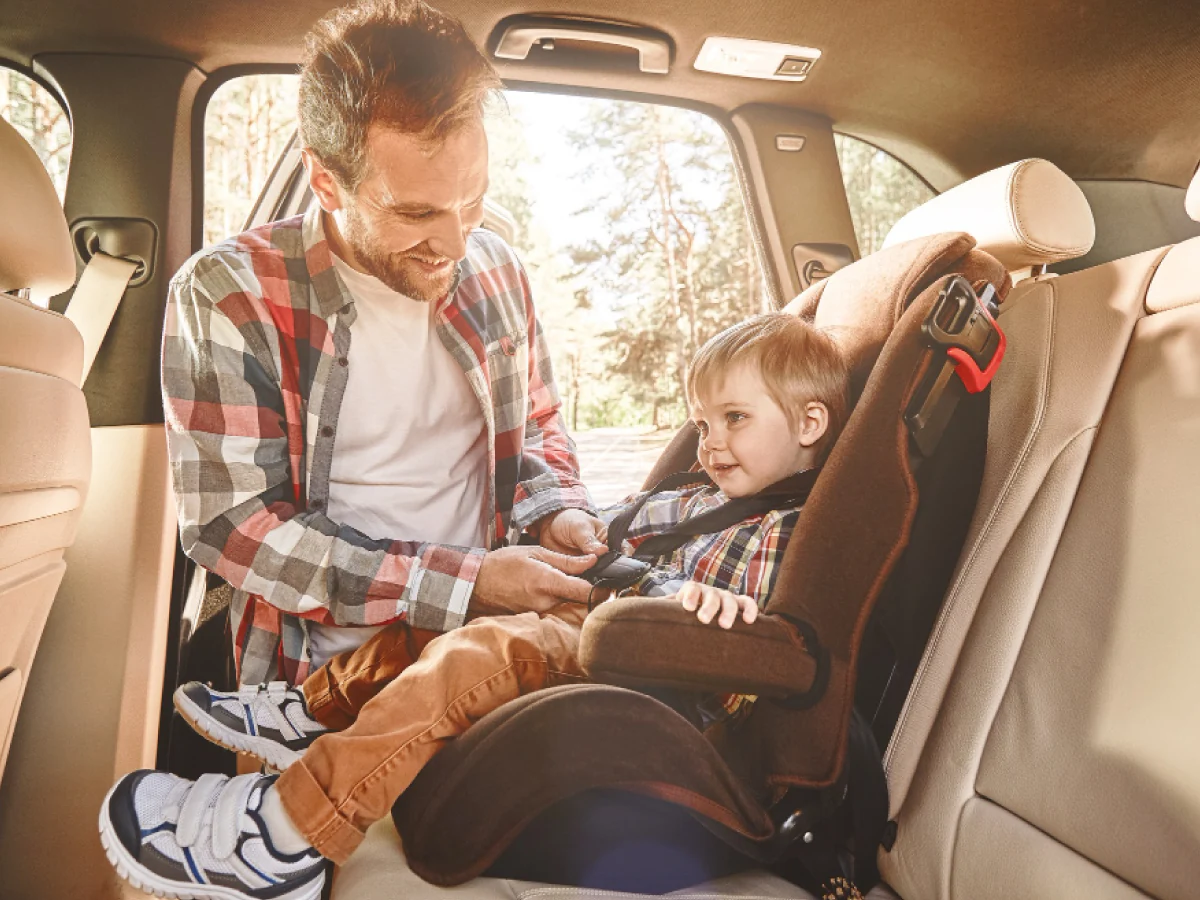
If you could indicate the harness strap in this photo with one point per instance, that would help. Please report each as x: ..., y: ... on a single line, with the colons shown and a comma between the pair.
x: 787, y: 492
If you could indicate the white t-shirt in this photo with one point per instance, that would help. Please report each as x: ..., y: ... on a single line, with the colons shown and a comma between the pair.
x: 410, y: 459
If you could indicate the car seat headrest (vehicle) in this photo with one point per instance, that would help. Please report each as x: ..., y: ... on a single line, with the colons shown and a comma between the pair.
x: 551, y: 745
x: 1173, y: 284
x: 1028, y: 213
x: 35, y: 244
x: 1191, y: 200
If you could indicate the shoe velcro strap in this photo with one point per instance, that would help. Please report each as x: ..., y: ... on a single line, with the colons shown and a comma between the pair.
x: 195, y: 805
x: 227, y: 816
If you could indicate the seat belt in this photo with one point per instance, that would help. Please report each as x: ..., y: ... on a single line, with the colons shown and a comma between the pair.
x: 786, y: 493
x: 95, y: 302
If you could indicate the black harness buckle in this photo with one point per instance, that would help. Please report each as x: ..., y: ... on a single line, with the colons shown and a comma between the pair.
x: 962, y: 324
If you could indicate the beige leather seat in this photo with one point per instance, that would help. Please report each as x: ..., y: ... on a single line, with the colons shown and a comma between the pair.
x: 1004, y: 210
x: 1051, y: 744
x: 45, y: 447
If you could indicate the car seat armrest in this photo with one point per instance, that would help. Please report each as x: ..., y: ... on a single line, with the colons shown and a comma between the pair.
x: 653, y: 642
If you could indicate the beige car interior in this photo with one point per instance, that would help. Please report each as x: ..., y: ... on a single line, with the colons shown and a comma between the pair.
x: 1050, y: 745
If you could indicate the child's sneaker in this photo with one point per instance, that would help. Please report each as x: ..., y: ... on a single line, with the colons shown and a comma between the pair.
x: 204, y: 839
x: 269, y: 721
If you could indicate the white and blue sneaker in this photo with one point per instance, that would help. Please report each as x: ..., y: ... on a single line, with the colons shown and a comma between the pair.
x: 202, y: 840
x: 268, y: 721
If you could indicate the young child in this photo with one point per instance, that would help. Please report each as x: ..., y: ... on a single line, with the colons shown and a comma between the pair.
x: 768, y: 396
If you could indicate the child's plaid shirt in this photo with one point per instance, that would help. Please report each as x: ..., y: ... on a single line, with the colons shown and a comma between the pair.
x: 743, y: 559
x: 255, y: 363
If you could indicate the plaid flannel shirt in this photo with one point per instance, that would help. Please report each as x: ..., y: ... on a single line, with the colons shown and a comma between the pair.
x: 255, y: 362
x: 744, y: 558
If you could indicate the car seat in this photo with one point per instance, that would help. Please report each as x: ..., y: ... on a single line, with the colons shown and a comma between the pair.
x: 1002, y: 201
x: 798, y: 734
x: 45, y: 459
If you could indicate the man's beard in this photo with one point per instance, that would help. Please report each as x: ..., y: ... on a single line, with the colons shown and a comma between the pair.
x: 396, y: 270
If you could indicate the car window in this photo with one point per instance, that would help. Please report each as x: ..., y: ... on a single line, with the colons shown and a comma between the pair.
x: 634, y: 231
x: 628, y: 218
x: 38, y: 117
x: 880, y: 189
x: 248, y: 122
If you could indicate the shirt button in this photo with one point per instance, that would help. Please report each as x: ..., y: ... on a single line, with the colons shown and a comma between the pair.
x: 507, y: 346
x: 327, y: 431
x: 317, y: 505
x: 342, y: 361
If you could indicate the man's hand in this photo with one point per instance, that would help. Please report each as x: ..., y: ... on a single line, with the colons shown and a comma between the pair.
x: 706, y: 601
x: 572, y: 531
x: 523, y: 579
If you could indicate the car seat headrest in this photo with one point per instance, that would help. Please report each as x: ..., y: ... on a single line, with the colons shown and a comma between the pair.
x: 1174, y: 282
x: 35, y: 244
x: 861, y: 304
x: 1028, y: 213
x: 1191, y: 201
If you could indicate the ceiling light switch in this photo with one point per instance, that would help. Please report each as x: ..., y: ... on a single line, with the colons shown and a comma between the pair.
x: 794, y: 66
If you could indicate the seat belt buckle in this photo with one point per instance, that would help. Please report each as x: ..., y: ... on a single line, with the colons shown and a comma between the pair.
x: 962, y: 324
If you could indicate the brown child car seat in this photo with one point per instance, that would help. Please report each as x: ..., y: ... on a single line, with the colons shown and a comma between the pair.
x: 920, y: 343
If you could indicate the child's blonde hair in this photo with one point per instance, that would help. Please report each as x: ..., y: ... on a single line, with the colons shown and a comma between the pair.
x: 797, y: 362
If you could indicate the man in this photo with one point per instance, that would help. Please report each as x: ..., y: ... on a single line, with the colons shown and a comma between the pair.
x: 359, y: 403
x: 361, y: 417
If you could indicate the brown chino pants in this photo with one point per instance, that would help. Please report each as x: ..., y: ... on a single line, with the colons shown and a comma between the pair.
x: 399, y: 699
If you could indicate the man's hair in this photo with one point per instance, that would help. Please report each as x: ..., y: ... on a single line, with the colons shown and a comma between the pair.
x: 398, y: 63
x: 797, y: 362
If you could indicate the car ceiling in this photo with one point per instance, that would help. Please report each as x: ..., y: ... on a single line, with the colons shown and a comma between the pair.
x: 1104, y: 88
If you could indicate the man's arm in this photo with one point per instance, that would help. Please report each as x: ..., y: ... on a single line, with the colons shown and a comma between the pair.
x: 238, y: 516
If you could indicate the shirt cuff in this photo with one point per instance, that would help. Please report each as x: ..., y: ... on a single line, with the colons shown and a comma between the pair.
x: 439, y: 599
x: 546, y: 494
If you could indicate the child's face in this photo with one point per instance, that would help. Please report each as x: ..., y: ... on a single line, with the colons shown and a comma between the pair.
x: 746, y: 442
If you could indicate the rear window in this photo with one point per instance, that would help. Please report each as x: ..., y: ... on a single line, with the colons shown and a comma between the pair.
x: 38, y: 117
x: 880, y: 188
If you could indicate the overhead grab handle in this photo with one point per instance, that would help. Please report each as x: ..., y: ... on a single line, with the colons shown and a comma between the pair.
x: 520, y: 36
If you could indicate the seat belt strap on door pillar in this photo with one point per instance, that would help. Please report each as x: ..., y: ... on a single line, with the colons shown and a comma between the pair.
x: 95, y: 302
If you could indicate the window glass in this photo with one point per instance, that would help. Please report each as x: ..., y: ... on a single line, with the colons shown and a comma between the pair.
x: 39, y: 118
x: 248, y: 122
x: 629, y: 220
x: 633, y: 228
x: 880, y: 189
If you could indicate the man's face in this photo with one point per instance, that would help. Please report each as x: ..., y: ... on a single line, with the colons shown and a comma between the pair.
x: 407, y: 222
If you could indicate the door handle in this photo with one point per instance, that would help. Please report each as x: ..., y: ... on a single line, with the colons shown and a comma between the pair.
x: 519, y: 37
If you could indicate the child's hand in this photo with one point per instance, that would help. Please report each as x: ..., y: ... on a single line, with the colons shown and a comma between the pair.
x: 706, y: 602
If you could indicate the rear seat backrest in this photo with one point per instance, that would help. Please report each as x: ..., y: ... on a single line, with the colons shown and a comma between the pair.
x: 45, y: 445
x: 1049, y: 745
